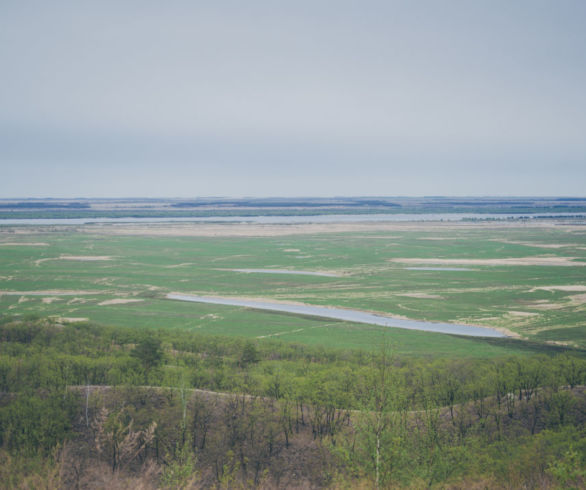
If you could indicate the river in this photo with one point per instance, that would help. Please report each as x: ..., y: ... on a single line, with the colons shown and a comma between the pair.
x: 320, y: 218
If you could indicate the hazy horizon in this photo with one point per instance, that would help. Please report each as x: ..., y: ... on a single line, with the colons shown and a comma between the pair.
x: 141, y: 99
x: 293, y: 196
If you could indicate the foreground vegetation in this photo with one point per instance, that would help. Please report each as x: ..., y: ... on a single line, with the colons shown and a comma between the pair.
x: 87, y: 405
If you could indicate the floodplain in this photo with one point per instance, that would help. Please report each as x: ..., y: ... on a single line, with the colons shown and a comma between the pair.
x: 527, y: 279
x: 278, y: 343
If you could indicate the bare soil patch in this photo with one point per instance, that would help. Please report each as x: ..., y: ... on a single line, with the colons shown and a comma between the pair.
x: 577, y: 299
x: 421, y: 295
x: 24, y: 244
x: 280, y: 333
x: 523, y: 313
x: 76, y: 301
x: 49, y: 292
x: 79, y: 258
x: 119, y: 301
x: 570, y: 287
x: 437, y: 238
x: 538, y: 260
x: 211, y: 316
x: 50, y: 299
x: 536, y: 245
x: 255, y: 229
x: 71, y: 319
x: 85, y: 258
x: 546, y: 305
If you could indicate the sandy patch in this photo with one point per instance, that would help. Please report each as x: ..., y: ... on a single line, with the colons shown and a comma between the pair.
x: 572, y: 287
x: 211, y: 316
x: 440, y: 269
x: 280, y: 333
x: 24, y: 244
x: 71, y: 319
x: 50, y: 292
x: 79, y: 258
x: 291, y: 250
x: 507, y: 332
x: 183, y: 264
x: 253, y: 229
x: 421, y: 295
x: 50, y: 299
x: 494, y: 322
x: 568, y: 301
x: 536, y: 245
x: 104, y: 281
x: 286, y: 272
x: 38, y: 262
x: 523, y: 313
x: 76, y: 301
x: 559, y: 342
x: 538, y: 260
x: 547, y: 305
x: 577, y: 299
x: 119, y: 301
x: 437, y: 238
x: 482, y: 290
x: 85, y: 258
x: 228, y: 257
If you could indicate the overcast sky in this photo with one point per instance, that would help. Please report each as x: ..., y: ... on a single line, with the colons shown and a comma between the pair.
x: 266, y: 98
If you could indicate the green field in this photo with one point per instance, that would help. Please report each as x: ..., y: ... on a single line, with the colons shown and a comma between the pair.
x: 545, y: 304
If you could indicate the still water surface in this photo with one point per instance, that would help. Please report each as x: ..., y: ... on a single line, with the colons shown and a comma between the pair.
x: 321, y: 218
x: 344, y: 314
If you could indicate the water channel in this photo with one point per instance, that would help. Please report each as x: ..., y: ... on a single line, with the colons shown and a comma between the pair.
x: 343, y: 314
x: 321, y: 218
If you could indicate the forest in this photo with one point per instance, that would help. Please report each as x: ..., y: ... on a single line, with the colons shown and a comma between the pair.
x: 84, y: 405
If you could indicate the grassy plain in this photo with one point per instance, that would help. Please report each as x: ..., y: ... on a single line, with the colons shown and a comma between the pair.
x: 75, y: 273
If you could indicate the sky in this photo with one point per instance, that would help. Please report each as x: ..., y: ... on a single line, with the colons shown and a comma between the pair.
x: 307, y: 98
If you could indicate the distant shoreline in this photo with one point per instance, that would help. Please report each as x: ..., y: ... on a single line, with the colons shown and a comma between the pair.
x: 294, y: 219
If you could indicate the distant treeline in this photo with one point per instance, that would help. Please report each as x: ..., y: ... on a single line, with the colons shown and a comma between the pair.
x: 200, y: 212
x: 297, y: 413
x: 285, y: 203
